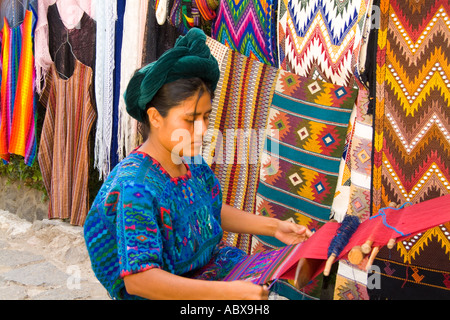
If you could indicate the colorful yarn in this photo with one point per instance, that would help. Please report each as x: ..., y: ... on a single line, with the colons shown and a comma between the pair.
x: 347, y: 228
x: 382, y: 213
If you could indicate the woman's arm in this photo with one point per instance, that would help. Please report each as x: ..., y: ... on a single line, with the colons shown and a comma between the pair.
x: 157, y: 284
x: 238, y: 221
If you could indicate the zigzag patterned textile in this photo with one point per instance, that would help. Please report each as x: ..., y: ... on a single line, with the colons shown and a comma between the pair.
x: 321, y: 38
x: 412, y: 140
x: 248, y: 27
x: 234, y: 141
x: 325, y: 39
x: 307, y: 129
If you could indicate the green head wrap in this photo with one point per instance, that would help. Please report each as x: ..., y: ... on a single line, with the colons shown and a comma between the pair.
x: 189, y: 58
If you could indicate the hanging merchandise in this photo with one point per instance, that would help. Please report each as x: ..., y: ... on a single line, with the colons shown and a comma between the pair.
x: 131, y: 59
x: 70, y: 114
x: 240, y: 106
x: 186, y: 14
x: 158, y: 38
x: 63, y: 150
x: 71, y: 11
x: 70, y: 42
x: 248, y: 26
x: 161, y: 9
x: 322, y: 38
x: 18, y: 109
x: 104, y: 83
x: 298, y: 179
x: 114, y: 157
x: 412, y: 141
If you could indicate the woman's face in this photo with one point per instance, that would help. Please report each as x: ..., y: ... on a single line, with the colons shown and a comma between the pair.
x: 181, y: 131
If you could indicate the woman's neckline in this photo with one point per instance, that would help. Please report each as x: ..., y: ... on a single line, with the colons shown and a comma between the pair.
x: 175, y: 180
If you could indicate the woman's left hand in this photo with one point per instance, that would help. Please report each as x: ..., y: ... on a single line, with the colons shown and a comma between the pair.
x: 291, y: 233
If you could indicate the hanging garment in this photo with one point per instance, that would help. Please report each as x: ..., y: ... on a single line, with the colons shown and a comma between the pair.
x: 67, y: 45
x: 63, y: 151
x: 131, y: 60
x: 104, y: 83
x: 117, y: 69
x: 72, y: 12
x: 18, y: 110
x: 23, y: 130
x: 158, y: 38
x: 249, y: 27
x: 14, y: 11
x: 412, y: 141
x: 9, y: 74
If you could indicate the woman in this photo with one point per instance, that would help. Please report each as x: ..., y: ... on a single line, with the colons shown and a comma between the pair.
x: 155, y: 228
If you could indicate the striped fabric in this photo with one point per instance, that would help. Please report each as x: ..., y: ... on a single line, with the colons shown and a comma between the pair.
x: 23, y: 131
x: 63, y: 151
x: 11, y: 58
x: 242, y: 99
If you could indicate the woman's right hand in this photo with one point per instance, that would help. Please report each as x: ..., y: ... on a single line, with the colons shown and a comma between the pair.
x: 246, y: 290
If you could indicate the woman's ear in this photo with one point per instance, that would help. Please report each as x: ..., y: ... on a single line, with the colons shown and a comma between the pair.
x: 154, y: 118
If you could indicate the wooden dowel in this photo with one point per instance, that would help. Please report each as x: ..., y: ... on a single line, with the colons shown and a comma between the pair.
x: 306, y: 268
x: 328, y: 264
x: 391, y: 243
x: 372, y: 257
x: 367, y: 247
x: 355, y: 256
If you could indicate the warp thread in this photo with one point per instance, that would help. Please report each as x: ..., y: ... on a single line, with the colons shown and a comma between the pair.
x: 343, y: 234
x: 383, y: 218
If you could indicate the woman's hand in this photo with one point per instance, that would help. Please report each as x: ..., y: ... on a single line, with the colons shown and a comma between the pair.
x: 291, y: 233
x: 246, y: 290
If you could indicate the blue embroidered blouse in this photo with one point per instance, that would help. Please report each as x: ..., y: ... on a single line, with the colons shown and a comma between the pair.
x: 142, y: 218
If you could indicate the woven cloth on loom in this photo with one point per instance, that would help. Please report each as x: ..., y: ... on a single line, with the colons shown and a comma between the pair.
x: 247, y: 26
x: 307, y: 128
x: 412, y: 140
x: 241, y: 103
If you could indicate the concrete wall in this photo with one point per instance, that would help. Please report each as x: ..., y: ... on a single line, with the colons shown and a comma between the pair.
x: 23, y: 201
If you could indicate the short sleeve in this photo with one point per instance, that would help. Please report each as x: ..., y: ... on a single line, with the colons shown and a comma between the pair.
x: 138, y: 236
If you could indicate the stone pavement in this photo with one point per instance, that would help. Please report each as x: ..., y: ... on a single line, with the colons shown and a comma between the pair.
x: 44, y: 260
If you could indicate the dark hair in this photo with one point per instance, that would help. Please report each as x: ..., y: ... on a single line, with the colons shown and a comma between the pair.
x: 172, y: 94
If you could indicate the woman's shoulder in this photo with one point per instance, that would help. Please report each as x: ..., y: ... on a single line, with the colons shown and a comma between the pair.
x: 197, y: 163
x: 136, y: 171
